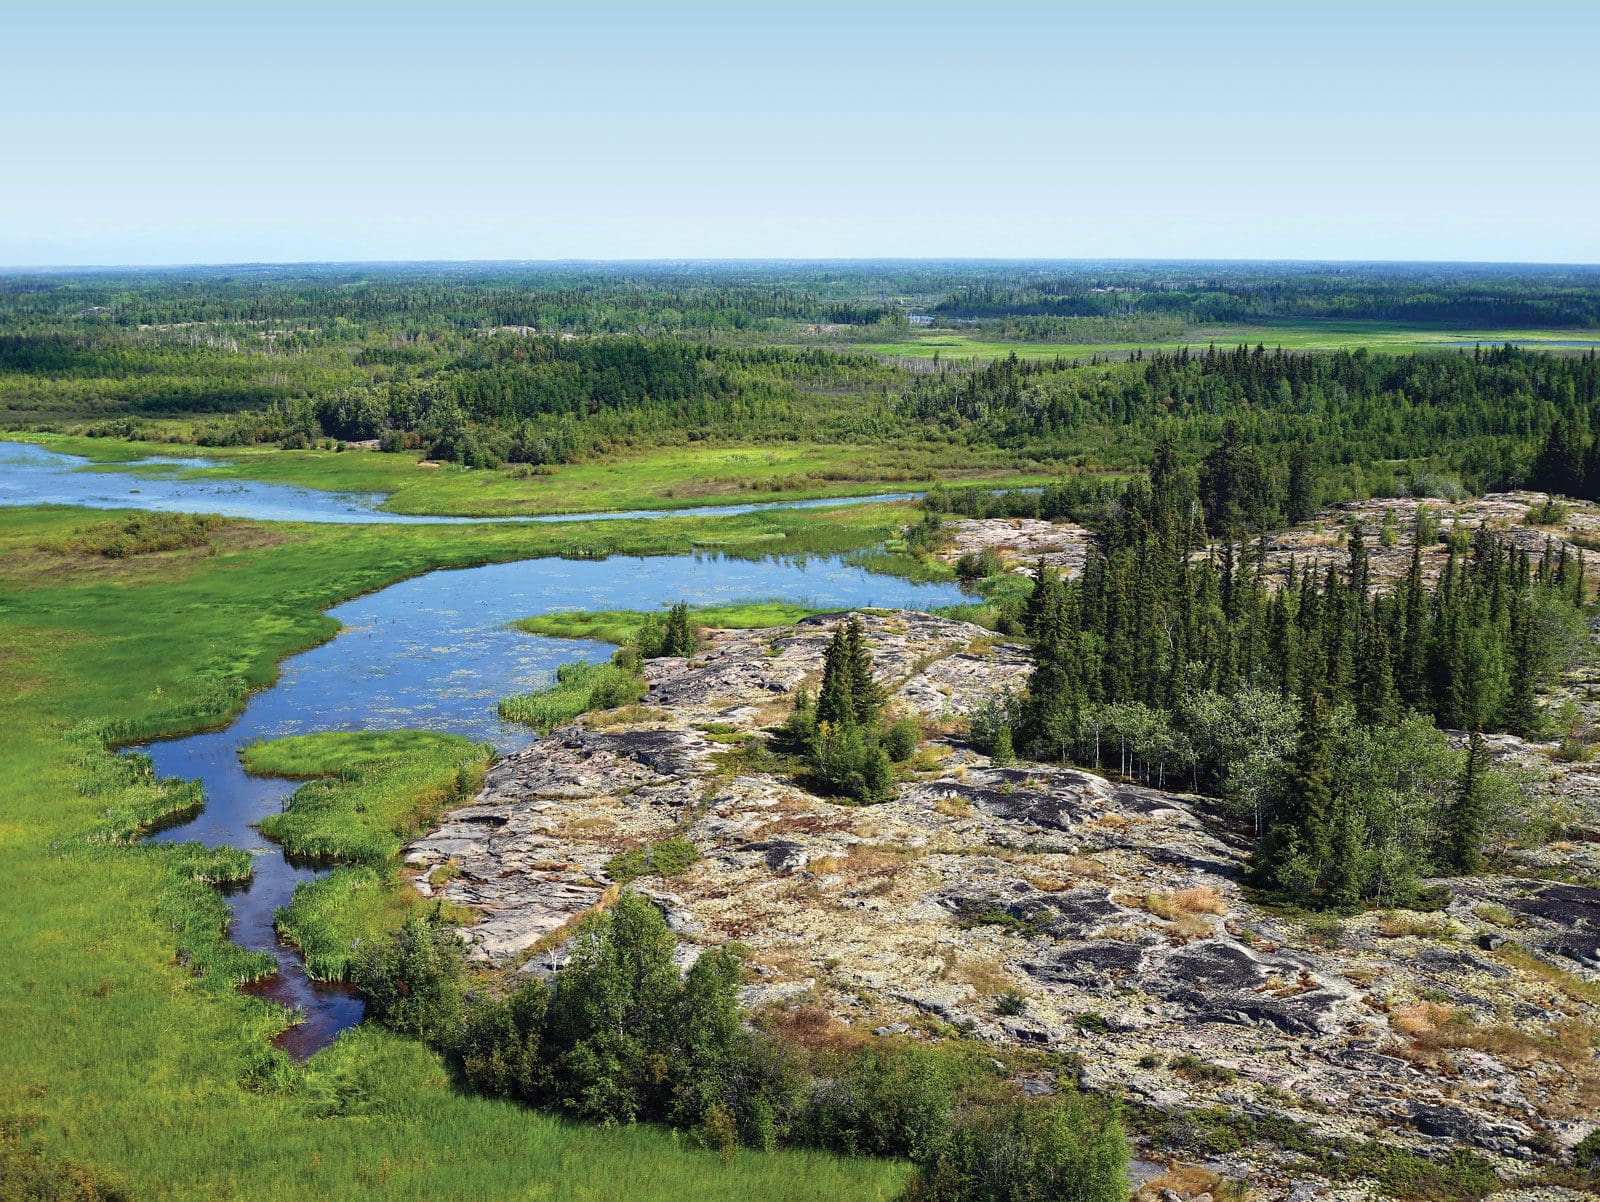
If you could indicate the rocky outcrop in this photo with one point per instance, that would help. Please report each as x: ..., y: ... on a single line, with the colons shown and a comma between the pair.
x: 1114, y: 913
x: 1021, y: 541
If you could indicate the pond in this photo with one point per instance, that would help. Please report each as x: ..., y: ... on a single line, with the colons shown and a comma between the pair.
x: 437, y: 653
x: 32, y: 475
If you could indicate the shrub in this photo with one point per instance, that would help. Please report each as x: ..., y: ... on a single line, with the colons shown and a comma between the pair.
x: 412, y: 982
x: 1010, y: 1003
x: 892, y: 1101
x: 1189, y: 1065
x: 1549, y: 512
x: 845, y: 762
x: 900, y: 739
x: 1587, y: 1154
x: 1067, y: 1147
x: 980, y: 565
x: 501, y: 1042
x: 669, y: 857
x: 992, y: 718
x: 143, y: 534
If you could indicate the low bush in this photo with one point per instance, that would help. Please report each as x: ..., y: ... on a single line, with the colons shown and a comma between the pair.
x: 620, y: 1035
x: 142, y: 534
x: 666, y: 858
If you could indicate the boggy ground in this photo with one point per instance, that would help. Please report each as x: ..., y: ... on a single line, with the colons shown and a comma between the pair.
x: 1117, y: 913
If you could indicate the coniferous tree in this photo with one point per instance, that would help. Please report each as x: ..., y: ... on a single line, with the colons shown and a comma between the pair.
x: 1377, y: 702
x: 1295, y: 851
x: 679, y: 636
x: 1464, y: 819
x: 835, y: 700
x: 866, y: 694
x: 1301, y: 503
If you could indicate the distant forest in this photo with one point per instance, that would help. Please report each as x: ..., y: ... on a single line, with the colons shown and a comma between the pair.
x: 545, y: 364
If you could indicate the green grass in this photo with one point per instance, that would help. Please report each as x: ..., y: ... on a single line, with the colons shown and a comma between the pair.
x: 118, y: 1055
x: 376, y: 789
x: 579, y: 688
x: 664, y: 478
x: 1291, y: 335
x: 619, y: 626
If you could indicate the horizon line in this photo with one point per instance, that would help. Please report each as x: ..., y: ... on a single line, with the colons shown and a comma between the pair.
x: 694, y: 260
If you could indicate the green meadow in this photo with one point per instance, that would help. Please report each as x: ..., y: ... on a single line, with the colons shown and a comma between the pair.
x: 125, y: 1067
x: 1291, y: 335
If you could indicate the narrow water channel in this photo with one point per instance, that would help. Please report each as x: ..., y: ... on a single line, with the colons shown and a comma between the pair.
x: 432, y: 653
x: 33, y: 475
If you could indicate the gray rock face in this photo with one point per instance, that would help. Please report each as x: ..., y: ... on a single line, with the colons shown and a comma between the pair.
x: 1086, y: 896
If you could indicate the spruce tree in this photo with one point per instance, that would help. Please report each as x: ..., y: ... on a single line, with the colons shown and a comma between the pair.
x: 1301, y: 504
x: 1520, y: 714
x: 679, y: 638
x: 1298, y: 841
x: 1377, y: 703
x: 1464, y: 819
x: 866, y: 694
x: 835, y: 705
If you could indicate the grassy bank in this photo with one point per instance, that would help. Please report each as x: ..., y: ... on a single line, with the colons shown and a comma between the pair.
x: 370, y: 791
x: 621, y: 626
x: 118, y: 1056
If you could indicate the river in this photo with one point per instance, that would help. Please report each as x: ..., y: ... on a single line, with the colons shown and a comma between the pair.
x: 435, y: 652
x: 33, y: 475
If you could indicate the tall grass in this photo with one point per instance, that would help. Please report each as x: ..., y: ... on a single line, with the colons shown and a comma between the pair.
x: 579, y: 688
x: 371, y: 791
x: 122, y: 1058
x: 621, y: 626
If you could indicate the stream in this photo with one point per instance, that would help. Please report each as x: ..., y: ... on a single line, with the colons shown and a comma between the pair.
x: 33, y: 475
x: 435, y: 652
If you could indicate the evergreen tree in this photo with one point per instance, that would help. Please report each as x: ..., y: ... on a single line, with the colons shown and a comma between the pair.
x: 866, y: 694
x: 1377, y: 702
x: 1295, y: 851
x: 1301, y: 504
x: 1464, y: 819
x: 835, y: 700
x: 679, y: 637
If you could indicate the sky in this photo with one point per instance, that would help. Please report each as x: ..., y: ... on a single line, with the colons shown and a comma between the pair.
x: 168, y: 133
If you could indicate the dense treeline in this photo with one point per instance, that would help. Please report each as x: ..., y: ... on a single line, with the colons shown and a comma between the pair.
x: 529, y: 364
x: 1462, y: 295
x: 620, y: 1035
x: 654, y: 298
x: 1481, y: 415
x: 1175, y: 660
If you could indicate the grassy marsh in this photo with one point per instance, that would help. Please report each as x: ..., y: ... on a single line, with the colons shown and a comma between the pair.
x: 663, y: 478
x: 118, y: 1055
x: 620, y: 626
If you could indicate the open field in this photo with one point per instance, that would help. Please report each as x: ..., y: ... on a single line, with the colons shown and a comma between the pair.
x: 666, y: 478
x: 119, y: 1058
x: 1298, y: 336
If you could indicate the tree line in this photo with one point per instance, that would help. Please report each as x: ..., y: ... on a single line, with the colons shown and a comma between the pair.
x: 1180, y: 662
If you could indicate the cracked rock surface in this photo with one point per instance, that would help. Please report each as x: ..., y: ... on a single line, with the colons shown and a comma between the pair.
x: 1118, y: 912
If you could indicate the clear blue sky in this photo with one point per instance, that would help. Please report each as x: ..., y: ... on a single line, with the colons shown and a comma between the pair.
x: 175, y: 133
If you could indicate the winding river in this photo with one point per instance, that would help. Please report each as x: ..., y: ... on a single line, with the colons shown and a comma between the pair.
x: 435, y: 652
x: 34, y: 475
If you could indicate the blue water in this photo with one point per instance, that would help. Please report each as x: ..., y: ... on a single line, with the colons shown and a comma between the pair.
x: 31, y: 475
x: 436, y: 653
